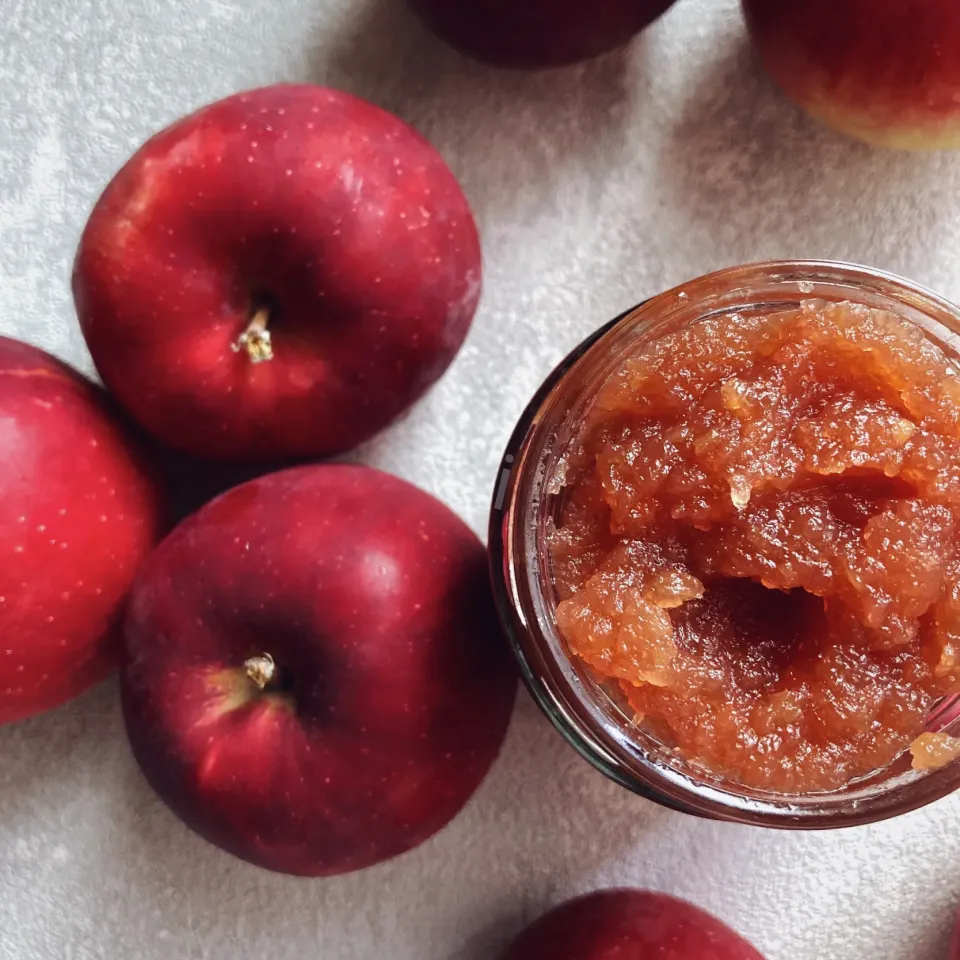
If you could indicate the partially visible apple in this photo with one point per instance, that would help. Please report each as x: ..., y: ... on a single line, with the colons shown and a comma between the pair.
x: 277, y: 276
x: 80, y: 511
x: 537, y: 33
x: 955, y: 942
x: 629, y: 925
x: 315, y: 679
x: 885, y: 71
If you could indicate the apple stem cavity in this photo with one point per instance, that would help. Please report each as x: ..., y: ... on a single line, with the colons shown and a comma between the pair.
x: 261, y: 670
x: 256, y: 338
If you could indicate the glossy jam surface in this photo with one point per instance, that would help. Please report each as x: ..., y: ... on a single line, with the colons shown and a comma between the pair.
x: 759, y: 546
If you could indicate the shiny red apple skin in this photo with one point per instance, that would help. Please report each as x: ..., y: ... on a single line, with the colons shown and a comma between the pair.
x: 80, y: 511
x: 537, y: 33
x: 884, y: 71
x: 334, y: 216
x: 394, y: 688
x: 625, y: 924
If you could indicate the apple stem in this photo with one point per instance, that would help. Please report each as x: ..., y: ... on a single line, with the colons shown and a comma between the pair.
x: 256, y: 338
x: 261, y: 670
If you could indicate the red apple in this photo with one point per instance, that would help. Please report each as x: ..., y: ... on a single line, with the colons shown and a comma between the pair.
x: 315, y: 679
x: 277, y: 276
x: 80, y: 512
x: 886, y: 71
x: 629, y: 925
x: 537, y: 33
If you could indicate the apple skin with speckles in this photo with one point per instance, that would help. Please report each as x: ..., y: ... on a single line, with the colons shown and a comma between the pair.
x: 884, y: 71
x: 626, y: 924
x: 80, y: 511
x: 390, y: 686
x: 537, y: 33
x: 277, y: 276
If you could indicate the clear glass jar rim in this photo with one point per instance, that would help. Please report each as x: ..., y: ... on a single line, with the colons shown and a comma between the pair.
x: 518, y: 572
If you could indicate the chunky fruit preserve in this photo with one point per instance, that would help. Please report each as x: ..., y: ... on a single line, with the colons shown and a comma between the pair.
x: 758, y: 550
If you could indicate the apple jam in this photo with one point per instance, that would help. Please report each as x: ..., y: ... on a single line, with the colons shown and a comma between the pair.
x: 758, y: 549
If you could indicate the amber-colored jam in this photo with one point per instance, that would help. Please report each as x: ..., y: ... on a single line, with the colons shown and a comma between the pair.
x: 759, y: 547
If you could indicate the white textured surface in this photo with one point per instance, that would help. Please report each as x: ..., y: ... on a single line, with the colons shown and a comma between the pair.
x: 594, y: 187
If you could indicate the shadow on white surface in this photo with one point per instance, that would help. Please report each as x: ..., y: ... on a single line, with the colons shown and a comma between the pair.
x: 509, y: 135
x: 749, y: 176
x: 43, y: 750
x: 501, y: 863
x: 83, y: 830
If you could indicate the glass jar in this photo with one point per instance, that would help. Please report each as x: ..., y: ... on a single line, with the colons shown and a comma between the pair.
x: 526, y: 501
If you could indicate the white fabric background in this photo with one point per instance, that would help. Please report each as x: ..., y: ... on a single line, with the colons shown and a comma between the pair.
x: 594, y: 187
